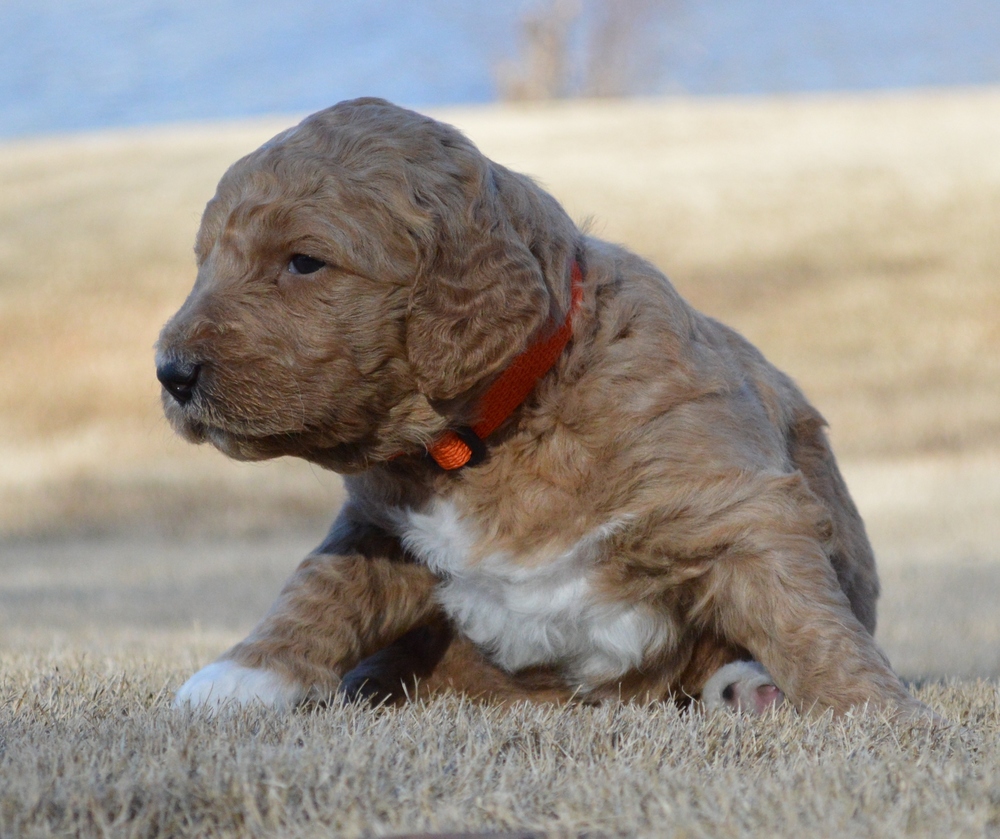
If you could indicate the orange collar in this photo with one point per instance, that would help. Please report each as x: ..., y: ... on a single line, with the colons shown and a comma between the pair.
x: 464, y: 446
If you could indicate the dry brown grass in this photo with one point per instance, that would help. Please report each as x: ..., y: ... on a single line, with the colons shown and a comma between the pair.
x: 854, y: 239
x: 92, y: 752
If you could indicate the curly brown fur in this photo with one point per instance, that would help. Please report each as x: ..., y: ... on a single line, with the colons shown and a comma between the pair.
x: 665, y: 502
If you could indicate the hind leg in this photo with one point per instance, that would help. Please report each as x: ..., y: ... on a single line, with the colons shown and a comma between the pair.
x: 743, y: 687
x: 723, y: 676
x: 848, y: 547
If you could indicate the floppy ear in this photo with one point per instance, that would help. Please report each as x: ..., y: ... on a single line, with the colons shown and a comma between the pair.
x: 479, y: 299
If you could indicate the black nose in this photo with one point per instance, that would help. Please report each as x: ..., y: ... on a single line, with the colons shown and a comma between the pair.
x: 179, y: 378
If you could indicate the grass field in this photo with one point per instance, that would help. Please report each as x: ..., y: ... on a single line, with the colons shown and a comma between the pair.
x: 856, y: 240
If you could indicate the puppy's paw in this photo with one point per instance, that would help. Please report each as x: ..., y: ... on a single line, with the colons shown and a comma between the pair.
x: 225, y: 683
x: 741, y: 686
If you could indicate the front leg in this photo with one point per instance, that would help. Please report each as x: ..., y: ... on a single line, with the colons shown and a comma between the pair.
x: 336, y: 609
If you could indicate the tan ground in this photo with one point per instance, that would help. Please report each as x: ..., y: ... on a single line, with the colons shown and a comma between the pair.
x: 856, y: 240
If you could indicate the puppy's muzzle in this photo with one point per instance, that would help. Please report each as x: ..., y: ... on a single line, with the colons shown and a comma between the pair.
x: 179, y: 378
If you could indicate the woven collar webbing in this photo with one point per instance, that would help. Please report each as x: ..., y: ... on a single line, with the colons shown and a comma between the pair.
x: 455, y: 449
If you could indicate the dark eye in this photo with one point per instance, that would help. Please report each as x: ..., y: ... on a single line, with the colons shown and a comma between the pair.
x: 302, y: 264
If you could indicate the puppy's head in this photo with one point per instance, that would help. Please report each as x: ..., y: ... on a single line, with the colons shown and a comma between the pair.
x: 361, y: 277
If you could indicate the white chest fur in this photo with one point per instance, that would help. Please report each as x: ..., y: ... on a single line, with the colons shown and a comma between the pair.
x: 539, y: 610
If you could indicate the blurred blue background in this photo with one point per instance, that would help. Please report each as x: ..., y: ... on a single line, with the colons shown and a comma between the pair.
x: 78, y: 64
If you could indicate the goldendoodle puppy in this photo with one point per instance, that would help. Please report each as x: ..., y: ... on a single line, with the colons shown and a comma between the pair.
x: 562, y: 480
